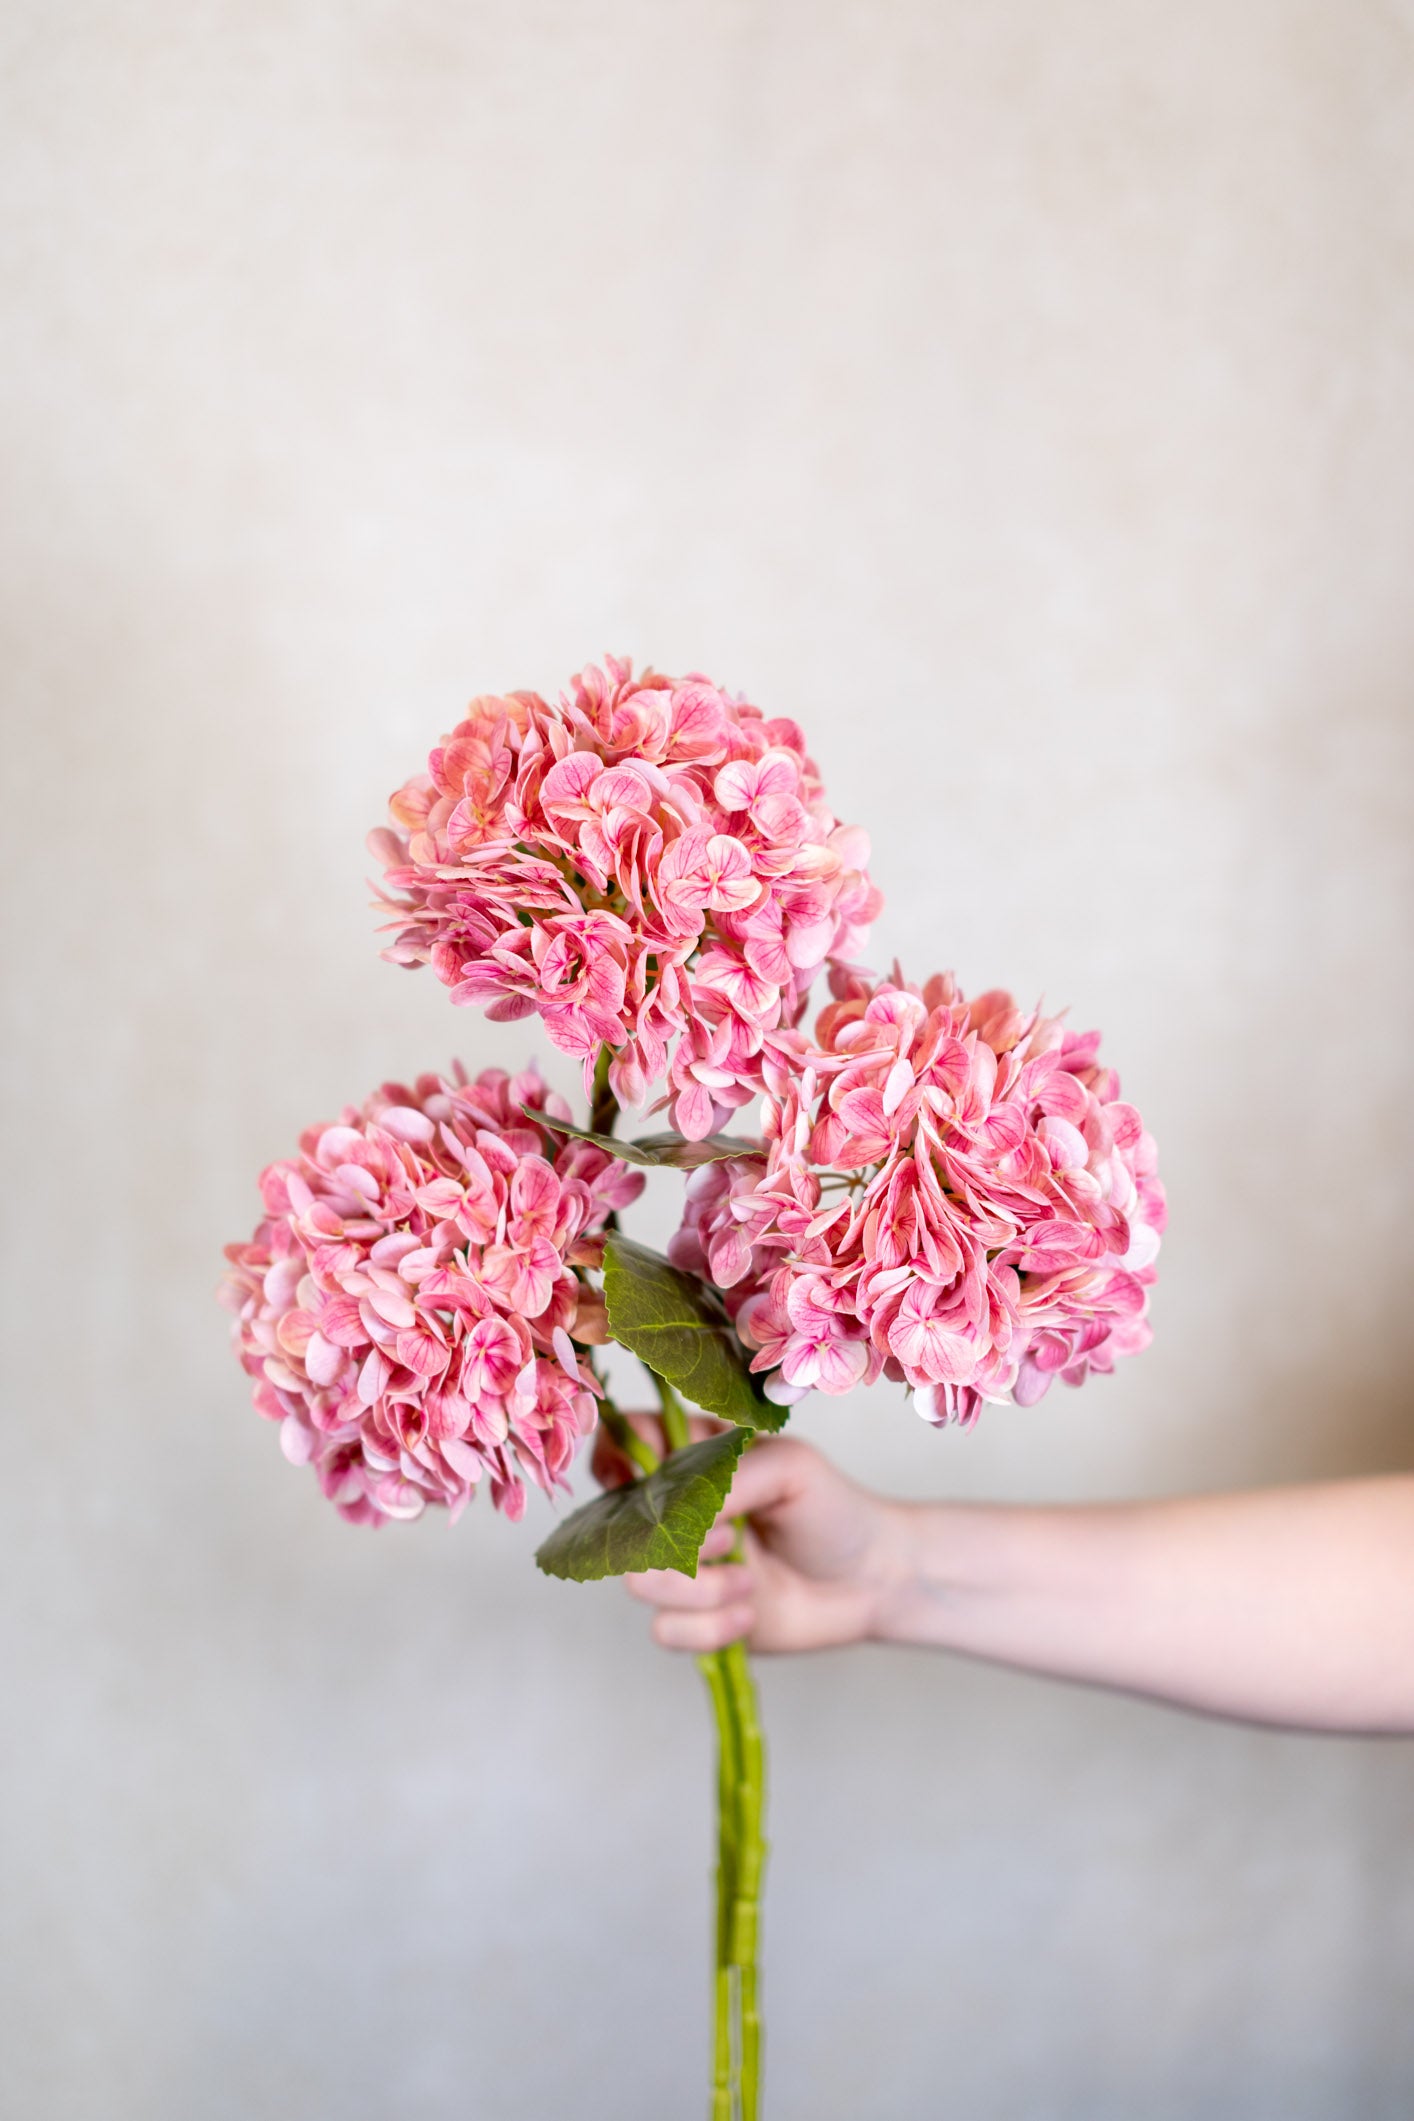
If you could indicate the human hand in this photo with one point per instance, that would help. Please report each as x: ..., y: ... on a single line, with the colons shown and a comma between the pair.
x: 822, y: 1557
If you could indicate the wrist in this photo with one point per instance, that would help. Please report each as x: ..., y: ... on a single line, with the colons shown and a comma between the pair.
x: 896, y: 1575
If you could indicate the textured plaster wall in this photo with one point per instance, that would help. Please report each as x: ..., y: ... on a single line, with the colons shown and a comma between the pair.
x: 1021, y: 395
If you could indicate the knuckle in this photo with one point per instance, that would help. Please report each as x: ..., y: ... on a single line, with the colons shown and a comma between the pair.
x: 733, y: 1620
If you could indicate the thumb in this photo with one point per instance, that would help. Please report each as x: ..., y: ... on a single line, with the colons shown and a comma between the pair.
x: 774, y: 1473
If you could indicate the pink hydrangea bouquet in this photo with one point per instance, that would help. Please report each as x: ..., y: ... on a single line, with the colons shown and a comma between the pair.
x: 946, y: 1192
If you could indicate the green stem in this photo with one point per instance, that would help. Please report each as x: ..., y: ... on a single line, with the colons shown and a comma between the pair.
x: 741, y: 1855
x: 724, y: 2104
x: 735, y: 2039
x: 750, y: 1861
x: 604, y: 1106
x: 634, y: 1447
x: 741, y: 1846
x: 676, y: 1432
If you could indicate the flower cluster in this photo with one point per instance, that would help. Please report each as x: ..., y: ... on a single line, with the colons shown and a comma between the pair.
x: 410, y: 1303
x: 952, y: 1193
x: 649, y: 865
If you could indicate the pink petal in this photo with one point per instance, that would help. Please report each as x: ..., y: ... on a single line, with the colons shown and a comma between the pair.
x: 440, y: 1197
x: 422, y: 1353
x: 373, y: 1376
x: 322, y: 1360
x: 842, y: 1365
x: 897, y: 1085
x: 405, y: 1123
x: 393, y: 1307
x: 281, y: 1282
x: 692, y: 1112
x: 296, y: 1440
x: 801, y: 1364
x: 295, y: 1331
x: 1032, y: 1384
x: 398, y: 1498
x: 463, y: 1458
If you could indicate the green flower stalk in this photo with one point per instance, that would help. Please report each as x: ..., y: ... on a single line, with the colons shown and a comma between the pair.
x: 741, y: 1848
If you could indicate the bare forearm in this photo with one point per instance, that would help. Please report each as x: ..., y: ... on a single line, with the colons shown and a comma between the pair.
x: 1291, y: 1606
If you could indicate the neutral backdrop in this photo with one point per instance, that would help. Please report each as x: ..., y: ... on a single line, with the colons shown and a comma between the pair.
x: 1021, y: 397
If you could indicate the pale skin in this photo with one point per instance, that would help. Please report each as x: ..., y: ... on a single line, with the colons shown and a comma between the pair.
x: 1288, y: 1606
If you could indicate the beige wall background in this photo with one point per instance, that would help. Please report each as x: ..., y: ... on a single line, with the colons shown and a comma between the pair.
x: 1021, y: 396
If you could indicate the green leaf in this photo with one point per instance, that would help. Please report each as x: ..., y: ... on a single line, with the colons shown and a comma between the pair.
x: 672, y: 1322
x: 681, y: 1155
x: 653, y: 1151
x: 657, y: 1523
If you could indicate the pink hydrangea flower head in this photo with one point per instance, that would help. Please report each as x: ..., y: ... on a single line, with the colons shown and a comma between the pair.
x: 952, y: 1193
x: 650, y: 864
x: 410, y: 1304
